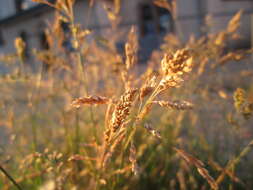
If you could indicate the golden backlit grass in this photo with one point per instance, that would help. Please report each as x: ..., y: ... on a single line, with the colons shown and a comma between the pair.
x: 93, y: 118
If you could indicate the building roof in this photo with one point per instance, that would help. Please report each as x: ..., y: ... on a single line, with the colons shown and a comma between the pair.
x: 24, y: 14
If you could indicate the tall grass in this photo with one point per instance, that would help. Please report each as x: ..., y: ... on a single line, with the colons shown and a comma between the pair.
x: 92, y: 118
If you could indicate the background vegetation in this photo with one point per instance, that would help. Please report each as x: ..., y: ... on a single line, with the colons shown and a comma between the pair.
x: 92, y: 118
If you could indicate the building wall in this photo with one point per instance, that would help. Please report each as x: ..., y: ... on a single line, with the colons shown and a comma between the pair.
x: 189, y: 18
x: 191, y: 13
x: 7, y: 8
x: 223, y: 10
x: 92, y: 18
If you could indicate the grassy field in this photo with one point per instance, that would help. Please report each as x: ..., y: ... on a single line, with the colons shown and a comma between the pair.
x: 93, y: 118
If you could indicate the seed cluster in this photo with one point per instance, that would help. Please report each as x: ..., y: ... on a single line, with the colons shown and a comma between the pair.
x: 90, y: 100
x: 122, y: 109
x: 178, y: 105
x: 173, y: 67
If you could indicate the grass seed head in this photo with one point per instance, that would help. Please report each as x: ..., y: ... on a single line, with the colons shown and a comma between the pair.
x: 122, y: 109
x: 173, y: 67
x: 178, y: 105
x: 90, y: 100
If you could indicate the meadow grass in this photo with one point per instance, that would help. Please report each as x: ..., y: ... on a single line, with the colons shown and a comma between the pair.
x: 93, y: 118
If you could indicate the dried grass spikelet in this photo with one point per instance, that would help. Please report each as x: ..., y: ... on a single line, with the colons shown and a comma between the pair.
x: 122, y: 109
x: 242, y: 104
x: 20, y: 47
x: 178, y: 105
x: 90, y: 100
x: 133, y: 160
x: 239, y: 98
x: 151, y: 130
x: 171, y: 7
x: 110, y: 135
x: 128, y: 79
x: 76, y: 157
x: 148, y: 87
x: 237, y: 56
x: 220, y: 38
x: 123, y: 170
x: 131, y: 48
x: 222, y: 94
x: 177, y: 63
x: 162, y: 3
x: 144, y: 91
x: 145, y: 111
x: 247, y: 110
x: 112, y: 10
x: 199, y: 165
x: 173, y: 67
x: 108, y: 114
x: 202, y: 66
x: 234, y: 23
x: 130, y: 59
x: 107, y: 135
x: 111, y: 149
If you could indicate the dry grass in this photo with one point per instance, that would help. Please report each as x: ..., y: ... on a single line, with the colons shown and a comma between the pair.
x: 100, y: 122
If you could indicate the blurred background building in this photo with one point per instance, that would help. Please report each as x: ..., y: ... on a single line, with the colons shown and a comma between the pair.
x: 28, y: 19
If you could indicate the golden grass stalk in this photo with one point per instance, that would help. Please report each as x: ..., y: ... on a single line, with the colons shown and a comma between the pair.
x: 227, y: 172
x: 200, y: 167
x: 232, y: 163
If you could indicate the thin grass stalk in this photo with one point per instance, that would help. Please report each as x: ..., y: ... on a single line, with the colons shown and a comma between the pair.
x: 77, y: 133
x: 10, y: 178
x: 67, y: 134
x: 34, y: 133
x: 231, y: 164
x: 132, y: 128
x: 33, y: 110
x: 82, y: 73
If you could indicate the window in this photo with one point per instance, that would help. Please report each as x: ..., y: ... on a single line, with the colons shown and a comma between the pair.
x: 43, y: 41
x: 155, y: 20
x: 24, y: 4
x: 23, y: 35
x: 67, y: 39
x: 1, y: 38
x: 44, y: 45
